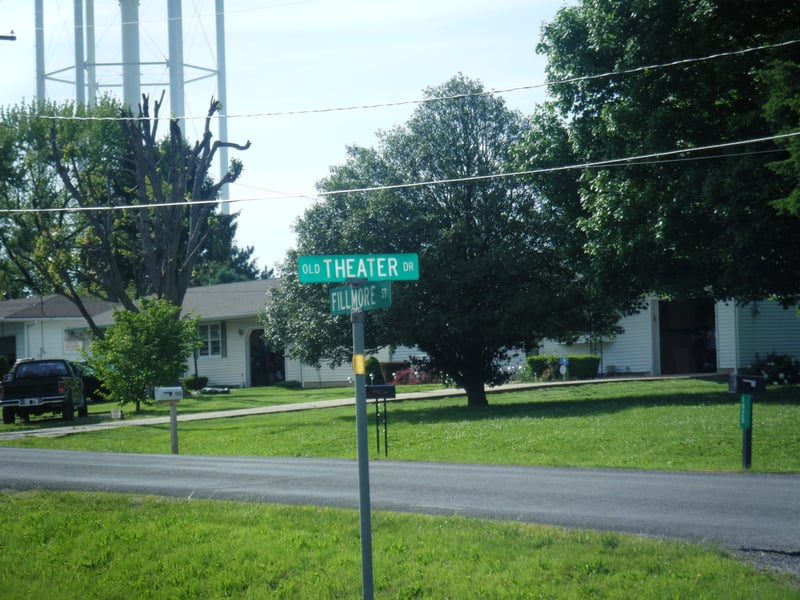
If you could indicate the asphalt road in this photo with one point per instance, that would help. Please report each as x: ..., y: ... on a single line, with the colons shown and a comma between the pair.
x: 740, y: 511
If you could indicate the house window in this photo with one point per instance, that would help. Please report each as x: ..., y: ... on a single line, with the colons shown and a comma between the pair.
x: 210, y: 340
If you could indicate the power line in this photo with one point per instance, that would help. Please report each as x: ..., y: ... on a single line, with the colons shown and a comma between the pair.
x: 629, y: 161
x: 335, y: 109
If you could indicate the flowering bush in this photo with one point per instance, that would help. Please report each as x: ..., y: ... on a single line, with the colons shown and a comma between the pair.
x: 777, y: 368
x: 413, y: 376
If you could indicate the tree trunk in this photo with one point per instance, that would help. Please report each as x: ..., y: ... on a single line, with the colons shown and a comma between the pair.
x: 476, y: 394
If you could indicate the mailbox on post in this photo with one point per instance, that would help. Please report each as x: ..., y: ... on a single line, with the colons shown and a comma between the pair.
x: 746, y: 386
x: 171, y: 396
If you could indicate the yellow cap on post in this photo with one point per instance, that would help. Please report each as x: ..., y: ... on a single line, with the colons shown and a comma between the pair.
x: 359, y: 364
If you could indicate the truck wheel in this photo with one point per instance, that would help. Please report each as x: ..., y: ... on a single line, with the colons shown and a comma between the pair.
x: 83, y: 408
x: 8, y: 416
x: 69, y: 409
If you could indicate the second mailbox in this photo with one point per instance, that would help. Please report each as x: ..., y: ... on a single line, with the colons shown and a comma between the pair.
x: 380, y: 391
x: 747, y: 384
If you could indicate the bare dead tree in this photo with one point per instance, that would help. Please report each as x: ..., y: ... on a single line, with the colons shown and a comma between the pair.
x: 163, y: 202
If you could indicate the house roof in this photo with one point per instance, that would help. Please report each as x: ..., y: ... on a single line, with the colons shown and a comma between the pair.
x: 53, y: 306
x: 241, y: 299
x: 229, y: 300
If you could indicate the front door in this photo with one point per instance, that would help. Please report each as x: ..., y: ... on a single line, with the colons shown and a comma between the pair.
x: 266, y: 366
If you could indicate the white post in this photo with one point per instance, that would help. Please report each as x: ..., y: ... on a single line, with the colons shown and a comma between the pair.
x: 91, y: 58
x: 41, y: 94
x: 175, y: 30
x: 80, y: 63
x: 131, y: 68
x: 222, y: 96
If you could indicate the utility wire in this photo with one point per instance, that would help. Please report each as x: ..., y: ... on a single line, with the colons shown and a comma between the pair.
x: 334, y: 109
x: 630, y: 160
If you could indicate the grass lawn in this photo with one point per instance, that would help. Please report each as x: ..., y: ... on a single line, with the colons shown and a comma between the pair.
x: 88, y: 545
x: 679, y: 424
x: 121, y: 546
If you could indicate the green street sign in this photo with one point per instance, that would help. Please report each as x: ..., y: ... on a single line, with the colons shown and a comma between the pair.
x: 372, y: 267
x: 368, y: 296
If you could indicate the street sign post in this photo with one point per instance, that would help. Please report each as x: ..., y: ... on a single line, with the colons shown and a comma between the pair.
x: 343, y: 267
x: 369, y: 277
x: 368, y: 296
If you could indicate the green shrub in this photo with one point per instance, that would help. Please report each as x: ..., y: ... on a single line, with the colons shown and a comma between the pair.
x: 547, y: 367
x: 583, y: 366
x: 541, y: 367
x: 374, y: 374
x: 4, y: 366
x: 144, y: 349
x: 195, y: 383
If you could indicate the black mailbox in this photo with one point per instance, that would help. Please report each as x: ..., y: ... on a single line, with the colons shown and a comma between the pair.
x: 747, y: 384
x: 380, y: 391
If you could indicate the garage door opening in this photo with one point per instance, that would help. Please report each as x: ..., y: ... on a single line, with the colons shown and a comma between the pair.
x: 687, y: 330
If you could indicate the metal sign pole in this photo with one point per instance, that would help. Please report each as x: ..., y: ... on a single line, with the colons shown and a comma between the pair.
x: 359, y: 368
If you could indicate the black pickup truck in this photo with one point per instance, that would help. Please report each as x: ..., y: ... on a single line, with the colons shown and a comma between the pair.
x: 35, y: 387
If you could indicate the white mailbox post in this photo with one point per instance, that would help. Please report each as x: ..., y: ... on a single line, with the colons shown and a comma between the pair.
x: 172, y: 395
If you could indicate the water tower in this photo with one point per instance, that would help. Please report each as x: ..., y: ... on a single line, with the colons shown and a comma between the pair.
x: 85, y: 68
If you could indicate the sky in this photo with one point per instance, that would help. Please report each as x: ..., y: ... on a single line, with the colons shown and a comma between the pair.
x: 286, y: 56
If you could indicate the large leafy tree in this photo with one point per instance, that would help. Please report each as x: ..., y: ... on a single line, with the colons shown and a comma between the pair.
x: 702, y: 223
x: 40, y: 236
x: 494, y: 272
x: 783, y: 113
x: 58, y: 176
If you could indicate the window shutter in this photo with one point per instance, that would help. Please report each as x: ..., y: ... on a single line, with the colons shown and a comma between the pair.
x: 223, y: 339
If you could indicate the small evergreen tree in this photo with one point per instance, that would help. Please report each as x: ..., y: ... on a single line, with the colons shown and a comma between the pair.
x: 144, y: 350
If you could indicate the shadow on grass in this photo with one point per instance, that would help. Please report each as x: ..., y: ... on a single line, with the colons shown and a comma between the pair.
x: 555, y: 403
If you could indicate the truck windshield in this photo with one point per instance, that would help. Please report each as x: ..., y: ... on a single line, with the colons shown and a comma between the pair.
x: 45, y: 368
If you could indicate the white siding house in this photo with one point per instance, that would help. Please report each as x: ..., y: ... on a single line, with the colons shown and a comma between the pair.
x: 664, y: 338
x: 693, y: 337
x: 233, y: 352
x: 763, y: 327
x: 45, y: 327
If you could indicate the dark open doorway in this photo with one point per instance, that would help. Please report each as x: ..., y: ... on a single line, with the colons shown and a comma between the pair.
x: 8, y: 348
x: 266, y: 365
x: 687, y: 331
